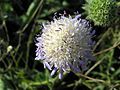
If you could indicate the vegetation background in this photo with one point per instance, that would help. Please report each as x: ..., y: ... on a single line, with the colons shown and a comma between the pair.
x: 21, y: 21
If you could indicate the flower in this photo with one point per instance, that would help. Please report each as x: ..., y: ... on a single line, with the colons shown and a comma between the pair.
x: 101, y: 12
x: 65, y: 44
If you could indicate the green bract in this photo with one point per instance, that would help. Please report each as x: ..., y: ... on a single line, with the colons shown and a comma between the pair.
x: 102, y: 12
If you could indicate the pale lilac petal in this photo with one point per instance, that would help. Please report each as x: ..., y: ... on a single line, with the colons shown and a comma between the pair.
x: 61, y: 74
x: 47, y: 65
x: 53, y: 71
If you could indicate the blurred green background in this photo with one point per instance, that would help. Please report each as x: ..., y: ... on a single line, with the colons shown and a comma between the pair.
x: 21, y: 21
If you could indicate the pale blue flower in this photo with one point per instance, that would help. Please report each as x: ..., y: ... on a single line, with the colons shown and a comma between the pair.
x: 65, y: 44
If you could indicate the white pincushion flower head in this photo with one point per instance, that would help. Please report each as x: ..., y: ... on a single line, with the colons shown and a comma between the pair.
x: 65, y: 44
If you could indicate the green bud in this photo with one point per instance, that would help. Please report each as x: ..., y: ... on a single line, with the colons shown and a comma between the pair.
x: 101, y: 12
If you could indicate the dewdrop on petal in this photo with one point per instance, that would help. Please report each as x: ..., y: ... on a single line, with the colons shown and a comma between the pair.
x: 65, y: 44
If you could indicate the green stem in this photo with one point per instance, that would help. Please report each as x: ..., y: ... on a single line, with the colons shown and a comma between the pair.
x: 95, y: 65
x: 105, y: 50
x: 31, y: 17
x: 6, y: 31
x: 93, y: 79
x: 39, y: 83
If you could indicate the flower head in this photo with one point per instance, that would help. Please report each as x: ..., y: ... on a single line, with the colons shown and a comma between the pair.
x: 65, y: 44
x: 102, y: 12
